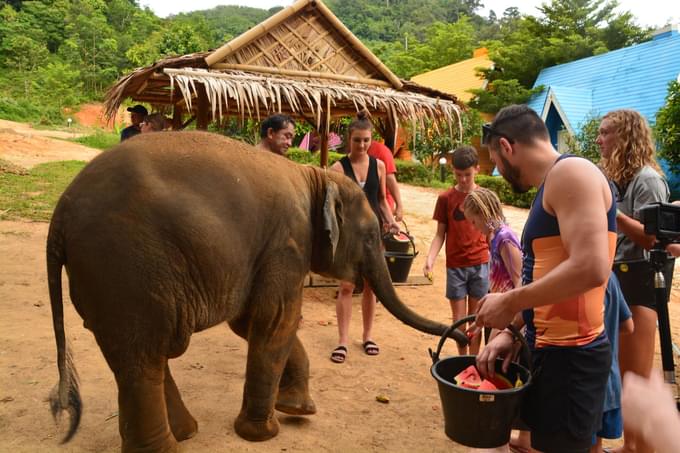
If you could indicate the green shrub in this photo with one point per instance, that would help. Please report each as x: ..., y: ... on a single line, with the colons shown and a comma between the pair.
x: 302, y: 156
x: 505, y: 192
x: 413, y: 172
x: 99, y: 140
x: 25, y: 111
x: 417, y: 174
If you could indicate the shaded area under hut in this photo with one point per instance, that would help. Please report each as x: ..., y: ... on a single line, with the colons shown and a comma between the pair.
x: 303, y: 62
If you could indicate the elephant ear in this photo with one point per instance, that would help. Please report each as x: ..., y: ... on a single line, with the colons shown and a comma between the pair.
x: 332, y: 220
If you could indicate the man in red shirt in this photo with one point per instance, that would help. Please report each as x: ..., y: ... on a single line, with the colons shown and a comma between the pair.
x: 383, y: 153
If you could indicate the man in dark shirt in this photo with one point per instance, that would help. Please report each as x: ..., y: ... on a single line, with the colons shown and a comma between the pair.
x: 137, y: 115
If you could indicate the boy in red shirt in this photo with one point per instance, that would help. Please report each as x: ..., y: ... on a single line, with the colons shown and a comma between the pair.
x: 467, y: 250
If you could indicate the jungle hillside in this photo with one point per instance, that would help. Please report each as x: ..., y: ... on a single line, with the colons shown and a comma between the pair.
x: 57, y: 54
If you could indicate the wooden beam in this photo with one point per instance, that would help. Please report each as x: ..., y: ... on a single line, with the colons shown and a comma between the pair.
x: 177, y: 117
x: 318, y: 281
x: 297, y: 73
x: 324, y: 131
x: 202, y: 108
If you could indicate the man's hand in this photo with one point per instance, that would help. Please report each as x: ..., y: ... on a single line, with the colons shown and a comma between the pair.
x: 398, y: 213
x: 500, y: 346
x: 495, y: 311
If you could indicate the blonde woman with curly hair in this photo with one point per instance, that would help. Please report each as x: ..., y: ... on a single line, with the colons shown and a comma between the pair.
x: 628, y: 160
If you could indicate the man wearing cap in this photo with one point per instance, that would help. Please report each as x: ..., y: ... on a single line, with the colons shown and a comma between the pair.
x: 137, y: 115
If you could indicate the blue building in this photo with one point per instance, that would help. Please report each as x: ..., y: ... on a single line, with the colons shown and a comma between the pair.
x: 634, y: 77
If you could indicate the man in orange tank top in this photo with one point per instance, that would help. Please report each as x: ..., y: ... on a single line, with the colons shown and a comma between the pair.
x: 568, y: 242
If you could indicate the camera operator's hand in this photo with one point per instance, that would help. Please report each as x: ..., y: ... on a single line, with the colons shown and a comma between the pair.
x: 649, y: 410
x: 673, y: 249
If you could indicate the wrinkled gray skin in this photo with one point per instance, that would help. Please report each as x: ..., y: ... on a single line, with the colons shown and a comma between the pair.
x: 172, y: 233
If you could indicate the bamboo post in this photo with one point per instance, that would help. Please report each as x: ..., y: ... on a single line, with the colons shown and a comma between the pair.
x: 390, y: 134
x: 177, y: 117
x: 202, y: 108
x: 324, y: 131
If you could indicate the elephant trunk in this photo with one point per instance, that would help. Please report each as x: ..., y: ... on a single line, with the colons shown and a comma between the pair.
x: 378, y: 276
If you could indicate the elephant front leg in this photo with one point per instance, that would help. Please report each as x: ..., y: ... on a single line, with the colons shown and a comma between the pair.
x: 294, y: 395
x: 270, y: 338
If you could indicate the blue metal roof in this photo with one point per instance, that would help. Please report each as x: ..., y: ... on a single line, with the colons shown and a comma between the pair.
x: 634, y: 77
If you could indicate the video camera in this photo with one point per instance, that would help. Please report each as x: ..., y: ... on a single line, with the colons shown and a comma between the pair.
x: 661, y: 220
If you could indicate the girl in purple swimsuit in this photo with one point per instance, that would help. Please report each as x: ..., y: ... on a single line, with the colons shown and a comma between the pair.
x: 483, y: 209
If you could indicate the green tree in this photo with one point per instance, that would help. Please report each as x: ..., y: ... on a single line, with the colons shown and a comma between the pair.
x: 567, y: 30
x: 500, y: 93
x: 583, y: 143
x: 95, y: 40
x: 180, y: 39
x: 667, y: 127
x: 431, y: 143
x: 445, y: 44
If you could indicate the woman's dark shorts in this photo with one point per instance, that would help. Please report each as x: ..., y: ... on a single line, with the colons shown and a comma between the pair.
x: 637, y: 281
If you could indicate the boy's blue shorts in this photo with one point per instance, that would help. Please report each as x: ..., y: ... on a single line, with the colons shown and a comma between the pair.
x: 470, y: 281
x: 612, y: 425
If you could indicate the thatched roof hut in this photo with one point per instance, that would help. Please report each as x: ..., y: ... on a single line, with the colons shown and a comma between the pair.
x: 301, y: 61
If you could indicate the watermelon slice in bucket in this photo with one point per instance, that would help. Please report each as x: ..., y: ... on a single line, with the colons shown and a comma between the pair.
x: 470, y: 378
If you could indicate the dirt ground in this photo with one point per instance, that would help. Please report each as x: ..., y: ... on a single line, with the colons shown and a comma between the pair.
x: 210, y: 373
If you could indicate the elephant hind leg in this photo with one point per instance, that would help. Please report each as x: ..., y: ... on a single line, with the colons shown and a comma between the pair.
x: 293, y: 397
x: 182, y: 424
x: 143, y: 416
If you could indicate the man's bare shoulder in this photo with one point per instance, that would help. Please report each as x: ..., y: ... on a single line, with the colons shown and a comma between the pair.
x: 576, y: 180
x: 576, y: 170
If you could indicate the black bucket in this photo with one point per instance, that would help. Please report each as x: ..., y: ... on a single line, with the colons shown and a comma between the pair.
x: 399, y: 265
x: 393, y: 243
x: 478, y: 418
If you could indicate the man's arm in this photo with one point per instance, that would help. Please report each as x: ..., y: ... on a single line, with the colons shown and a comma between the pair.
x: 578, y: 195
x: 393, y: 188
x: 382, y: 201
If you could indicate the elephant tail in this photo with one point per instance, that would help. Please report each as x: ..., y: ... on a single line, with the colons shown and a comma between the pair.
x: 66, y: 394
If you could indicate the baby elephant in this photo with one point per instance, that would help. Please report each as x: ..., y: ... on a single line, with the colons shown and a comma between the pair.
x: 170, y: 234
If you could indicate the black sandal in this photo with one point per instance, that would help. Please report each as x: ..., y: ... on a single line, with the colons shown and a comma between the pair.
x: 339, y: 354
x: 370, y: 348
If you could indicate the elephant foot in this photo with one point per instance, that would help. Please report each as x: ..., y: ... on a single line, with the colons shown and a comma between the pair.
x: 256, y: 431
x: 166, y: 445
x: 293, y: 401
x: 184, y: 429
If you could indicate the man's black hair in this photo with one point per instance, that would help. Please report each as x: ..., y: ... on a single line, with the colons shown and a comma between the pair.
x: 465, y: 157
x: 520, y: 123
x: 275, y: 123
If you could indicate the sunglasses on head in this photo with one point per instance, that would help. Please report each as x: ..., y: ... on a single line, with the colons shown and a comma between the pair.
x: 488, y: 131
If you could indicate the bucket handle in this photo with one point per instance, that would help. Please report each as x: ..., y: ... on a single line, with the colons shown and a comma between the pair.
x: 449, y: 332
x: 408, y: 235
